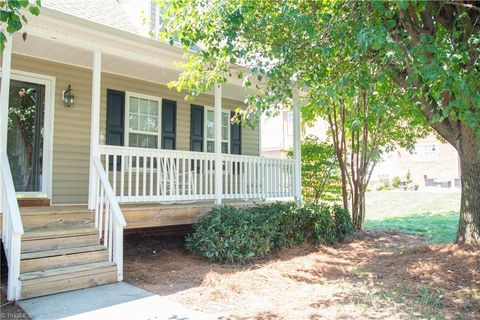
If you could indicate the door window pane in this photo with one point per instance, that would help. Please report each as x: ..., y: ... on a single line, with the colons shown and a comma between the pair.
x: 25, y: 135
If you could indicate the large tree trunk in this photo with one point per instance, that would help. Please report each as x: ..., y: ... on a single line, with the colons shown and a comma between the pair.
x: 469, y: 224
x: 455, y: 131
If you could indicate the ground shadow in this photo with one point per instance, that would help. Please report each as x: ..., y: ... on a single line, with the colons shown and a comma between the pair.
x: 400, y: 269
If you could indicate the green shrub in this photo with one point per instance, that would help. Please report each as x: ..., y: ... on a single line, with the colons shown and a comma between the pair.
x: 232, y: 235
x: 290, y: 225
x: 323, y: 224
x: 342, y: 222
x: 396, y: 181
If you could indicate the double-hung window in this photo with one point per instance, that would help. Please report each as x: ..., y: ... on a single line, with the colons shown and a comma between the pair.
x: 209, y: 130
x: 143, y: 121
x: 425, y: 152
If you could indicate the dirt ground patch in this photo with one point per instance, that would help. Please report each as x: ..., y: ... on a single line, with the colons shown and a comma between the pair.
x: 374, y: 275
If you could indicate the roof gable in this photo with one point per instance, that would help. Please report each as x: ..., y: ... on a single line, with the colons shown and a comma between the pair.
x: 107, y: 12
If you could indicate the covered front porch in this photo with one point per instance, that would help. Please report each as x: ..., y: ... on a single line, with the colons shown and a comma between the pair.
x: 127, y: 186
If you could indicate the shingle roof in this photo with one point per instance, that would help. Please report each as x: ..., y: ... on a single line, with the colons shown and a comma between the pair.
x: 106, y: 12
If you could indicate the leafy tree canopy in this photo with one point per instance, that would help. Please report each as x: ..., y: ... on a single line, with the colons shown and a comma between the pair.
x: 12, y: 16
x: 329, y: 50
x: 320, y: 173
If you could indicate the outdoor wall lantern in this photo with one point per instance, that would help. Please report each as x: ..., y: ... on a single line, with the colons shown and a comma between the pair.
x: 68, y: 97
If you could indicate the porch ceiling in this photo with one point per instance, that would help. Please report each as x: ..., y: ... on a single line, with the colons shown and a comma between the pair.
x: 63, y: 53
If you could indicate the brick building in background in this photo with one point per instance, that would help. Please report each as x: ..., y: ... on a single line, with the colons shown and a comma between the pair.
x: 432, y: 164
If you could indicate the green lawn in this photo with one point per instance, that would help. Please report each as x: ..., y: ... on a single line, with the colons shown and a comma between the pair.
x: 432, y: 214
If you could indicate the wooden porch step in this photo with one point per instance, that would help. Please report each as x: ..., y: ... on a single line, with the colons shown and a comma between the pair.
x: 36, y: 234
x: 59, y: 252
x: 47, y: 210
x: 56, y: 217
x: 40, y: 283
x: 55, y: 221
x: 32, y: 245
x: 53, y: 259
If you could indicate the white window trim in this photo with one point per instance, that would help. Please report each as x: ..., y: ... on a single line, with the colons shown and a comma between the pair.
x: 50, y: 83
x: 206, y: 139
x: 129, y: 94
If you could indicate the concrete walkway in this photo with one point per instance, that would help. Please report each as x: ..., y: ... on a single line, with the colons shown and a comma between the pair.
x: 113, y: 301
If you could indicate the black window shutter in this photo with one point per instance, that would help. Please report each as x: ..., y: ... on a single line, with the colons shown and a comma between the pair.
x: 235, y: 136
x: 115, y: 117
x: 196, y: 128
x: 169, y: 124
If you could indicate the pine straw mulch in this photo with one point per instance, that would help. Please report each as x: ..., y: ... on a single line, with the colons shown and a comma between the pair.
x: 374, y: 274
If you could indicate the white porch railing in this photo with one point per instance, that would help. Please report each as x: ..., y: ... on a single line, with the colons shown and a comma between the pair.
x: 152, y: 175
x: 12, y: 228
x: 109, y: 218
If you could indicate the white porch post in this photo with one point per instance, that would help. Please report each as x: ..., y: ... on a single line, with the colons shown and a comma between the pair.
x: 95, y: 126
x: 4, y: 98
x: 218, y: 144
x: 297, y: 142
x: 5, y: 91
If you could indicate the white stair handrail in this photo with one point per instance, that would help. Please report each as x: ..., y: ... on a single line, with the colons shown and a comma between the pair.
x: 12, y: 228
x: 108, y: 217
x: 109, y: 193
x: 11, y: 201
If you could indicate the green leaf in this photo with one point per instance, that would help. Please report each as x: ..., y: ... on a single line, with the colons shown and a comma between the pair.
x: 34, y: 10
x: 3, y: 39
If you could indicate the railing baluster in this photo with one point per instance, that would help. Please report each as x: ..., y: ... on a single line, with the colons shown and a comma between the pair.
x: 107, y: 169
x: 114, y: 186
x: 101, y: 210
x: 231, y: 177
x: 110, y: 234
x: 150, y: 182
x: 177, y: 177
x: 184, y: 173
x: 171, y: 176
x: 122, y: 177
x: 164, y: 177
x: 144, y: 177
x: 107, y: 224
x: 159, y: 178
x: 130, y: 161
x: 137, y: 174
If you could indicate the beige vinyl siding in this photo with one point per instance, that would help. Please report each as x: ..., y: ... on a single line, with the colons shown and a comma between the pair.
x: 250, y: 138
x: 71, y: 139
